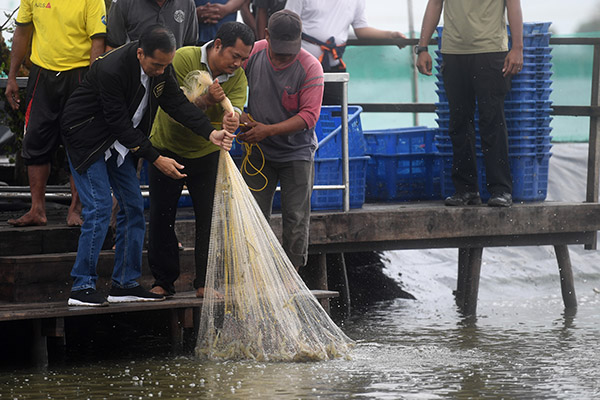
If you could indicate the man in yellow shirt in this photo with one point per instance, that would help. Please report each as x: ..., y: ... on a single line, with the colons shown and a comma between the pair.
x: 59, y: 62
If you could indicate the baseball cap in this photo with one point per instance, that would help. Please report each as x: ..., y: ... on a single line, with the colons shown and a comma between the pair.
x: 285, y: 32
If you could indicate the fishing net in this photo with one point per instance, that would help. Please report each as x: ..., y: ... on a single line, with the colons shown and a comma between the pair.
x: 256, y: 306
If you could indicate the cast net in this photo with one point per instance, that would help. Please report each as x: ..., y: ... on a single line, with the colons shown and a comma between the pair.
x: 256, y: 306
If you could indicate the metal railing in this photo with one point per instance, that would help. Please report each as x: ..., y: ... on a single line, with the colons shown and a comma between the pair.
x: 592, y: 111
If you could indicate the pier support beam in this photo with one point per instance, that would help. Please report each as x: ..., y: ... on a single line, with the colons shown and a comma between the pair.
x: 321, y: 279
x: 567, y: 284
x: 337, y: 269
x: 467, y: 285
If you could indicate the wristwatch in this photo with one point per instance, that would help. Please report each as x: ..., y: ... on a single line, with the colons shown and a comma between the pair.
x: 420, y: 49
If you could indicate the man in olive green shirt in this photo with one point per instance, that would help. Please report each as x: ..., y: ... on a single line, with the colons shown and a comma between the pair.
x: 477, y: 68
x: 223, y: 58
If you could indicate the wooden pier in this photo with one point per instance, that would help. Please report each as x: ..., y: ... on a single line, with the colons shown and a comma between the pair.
x: 35, y: 262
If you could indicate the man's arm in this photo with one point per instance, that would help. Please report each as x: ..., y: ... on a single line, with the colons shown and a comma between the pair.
x: 20, y: 45
x: 514, y: 60
x: 431, y: 19
x: 261, y: 22
x: 213, y: 13
x: 247, y: 15
x: 97, y: 48
x: 374, y: 33
x: 258, y: 131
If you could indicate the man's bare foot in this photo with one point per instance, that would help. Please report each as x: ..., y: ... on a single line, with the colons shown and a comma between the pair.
x: 160, y: 291
x: 74, y: 219
x: 204, y: 292
x: 29, y: 219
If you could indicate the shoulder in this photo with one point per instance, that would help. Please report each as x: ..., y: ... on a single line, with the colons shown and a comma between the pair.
x: 188, y: 51
x: 259, y: 46
x: 310, y: 63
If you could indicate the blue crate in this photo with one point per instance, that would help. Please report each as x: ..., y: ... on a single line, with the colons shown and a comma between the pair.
x: 417, y: 139
x: 529, y: 67
x: 516, y: 144
x: 527, y: 94
x: 523, y: 105
x: 537, y: 51
x: 529, y: 173
x: 403, y: 177
x: 329, y: 132
x: 533, y: 75
x: 511, y: 113
x: 442, y: 96
x: 329, y: 172
x: 530, y: 84
x: 543, y: 94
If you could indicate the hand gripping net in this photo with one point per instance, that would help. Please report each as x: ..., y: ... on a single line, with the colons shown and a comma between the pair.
x: 266, y: 312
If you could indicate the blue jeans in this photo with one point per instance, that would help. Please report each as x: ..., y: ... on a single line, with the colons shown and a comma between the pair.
x: 94, y: 187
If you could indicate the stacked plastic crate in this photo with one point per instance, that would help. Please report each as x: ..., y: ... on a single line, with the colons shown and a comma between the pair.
x: 527, y: 111
x: 403, y: 166
x: 328, y: 160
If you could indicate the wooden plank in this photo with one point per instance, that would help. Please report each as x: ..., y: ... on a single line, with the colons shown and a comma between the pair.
x: 55, y: 309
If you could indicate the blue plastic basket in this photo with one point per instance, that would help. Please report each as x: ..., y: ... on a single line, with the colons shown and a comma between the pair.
x: 529, y: 174
x: 417, y: 139
x: 329, y: 132
x: 403, y: 177
x: 329, y: 172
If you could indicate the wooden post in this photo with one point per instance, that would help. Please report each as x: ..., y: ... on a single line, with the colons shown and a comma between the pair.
x: 463, y: 261
x: 176, y: 330
x: 340, y: 282
x: 39, y: 345
x: 594, y: 143
x: 468, y: 282
x: 567, y: 284
x: 321, y: 279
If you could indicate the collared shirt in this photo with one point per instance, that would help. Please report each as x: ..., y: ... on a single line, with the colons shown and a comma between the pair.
x: 170, y: 135
x: 63, y: 31
x: 474, y: 27
x: 136, y: 119
x: 204, y: 60
x: 127, y: 19
x: 223, y: 77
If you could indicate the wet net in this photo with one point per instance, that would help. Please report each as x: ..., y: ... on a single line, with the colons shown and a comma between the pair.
x: 256, y: 306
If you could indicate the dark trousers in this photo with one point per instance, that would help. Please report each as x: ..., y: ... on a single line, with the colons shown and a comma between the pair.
x: 469, y: 78
x: 163, y: 251
x: 296, y: 179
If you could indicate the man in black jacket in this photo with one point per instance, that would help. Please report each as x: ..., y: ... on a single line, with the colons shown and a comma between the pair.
x: 105, y: 128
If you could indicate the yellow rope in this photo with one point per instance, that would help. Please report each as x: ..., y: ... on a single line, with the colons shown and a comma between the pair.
x: 246, y: 162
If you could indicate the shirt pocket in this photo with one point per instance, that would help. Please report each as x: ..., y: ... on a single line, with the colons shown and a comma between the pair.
x: 290, y: 101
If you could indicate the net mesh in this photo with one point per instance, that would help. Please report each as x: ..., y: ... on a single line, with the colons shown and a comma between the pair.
x: 256, y: 306
x: 196, y: 83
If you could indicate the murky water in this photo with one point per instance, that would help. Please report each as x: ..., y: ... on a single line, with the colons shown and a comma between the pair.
x: 522, y: 344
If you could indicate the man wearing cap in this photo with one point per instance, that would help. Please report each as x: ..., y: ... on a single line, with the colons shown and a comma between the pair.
x: 284, y: 102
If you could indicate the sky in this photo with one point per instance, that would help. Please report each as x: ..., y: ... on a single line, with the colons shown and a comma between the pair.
x: 393, y: 14
x: 565, y: 17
